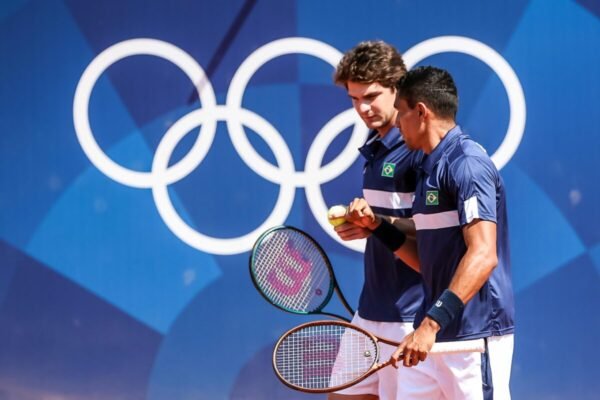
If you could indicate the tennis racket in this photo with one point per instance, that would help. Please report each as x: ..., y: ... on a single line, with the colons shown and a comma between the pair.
x: 291, y: 271
x: 327, y: 356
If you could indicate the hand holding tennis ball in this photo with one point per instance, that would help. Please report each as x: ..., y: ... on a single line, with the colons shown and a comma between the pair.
x: 337, y: 215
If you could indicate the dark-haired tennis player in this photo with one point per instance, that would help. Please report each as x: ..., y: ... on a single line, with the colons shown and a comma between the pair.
x: 462, y: 239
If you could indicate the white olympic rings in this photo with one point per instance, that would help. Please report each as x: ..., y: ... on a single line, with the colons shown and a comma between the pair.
x: 236, y: 117
x: 516, y: 98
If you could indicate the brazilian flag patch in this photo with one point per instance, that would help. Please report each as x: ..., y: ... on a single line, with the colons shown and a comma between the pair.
x: 388, y: 170
x: 432, y: 198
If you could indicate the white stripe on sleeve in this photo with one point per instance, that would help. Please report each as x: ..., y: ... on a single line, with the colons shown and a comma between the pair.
x: 471, y: 209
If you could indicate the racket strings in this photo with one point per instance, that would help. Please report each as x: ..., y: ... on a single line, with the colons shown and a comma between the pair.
x: 325, y: 356
x: 291, y: 271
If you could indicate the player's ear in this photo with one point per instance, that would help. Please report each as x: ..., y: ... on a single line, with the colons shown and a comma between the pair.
x: 397, y: 102
x: 422, y: 109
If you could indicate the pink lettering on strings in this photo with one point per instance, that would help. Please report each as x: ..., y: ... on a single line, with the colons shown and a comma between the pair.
x: 290, y: 272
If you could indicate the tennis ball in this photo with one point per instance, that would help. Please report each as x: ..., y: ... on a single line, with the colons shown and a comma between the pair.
x: 336, y: 214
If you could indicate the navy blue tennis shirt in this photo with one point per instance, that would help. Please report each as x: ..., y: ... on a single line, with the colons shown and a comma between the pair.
x: 392, y: 291
x: 458, y: 183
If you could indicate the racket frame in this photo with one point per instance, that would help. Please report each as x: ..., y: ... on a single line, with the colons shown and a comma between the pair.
x: 374, y: 367
x: 473, y: 345
x: 333, y: 284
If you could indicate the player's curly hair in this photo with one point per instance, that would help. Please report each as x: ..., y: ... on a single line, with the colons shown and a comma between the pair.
x: 371, y: 61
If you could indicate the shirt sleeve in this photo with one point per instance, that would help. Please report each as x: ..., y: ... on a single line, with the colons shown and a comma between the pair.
x: 474, y: 183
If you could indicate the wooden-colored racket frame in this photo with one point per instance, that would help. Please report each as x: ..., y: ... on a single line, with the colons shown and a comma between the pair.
x: 373, y: 369
x: 476, y: 345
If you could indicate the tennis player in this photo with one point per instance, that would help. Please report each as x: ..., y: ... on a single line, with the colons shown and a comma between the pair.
x: 462, y: 240
x: 392, y: 292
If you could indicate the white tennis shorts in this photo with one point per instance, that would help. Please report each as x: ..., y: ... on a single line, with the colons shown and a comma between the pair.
x: 384, y: 382
x: 468, y: 376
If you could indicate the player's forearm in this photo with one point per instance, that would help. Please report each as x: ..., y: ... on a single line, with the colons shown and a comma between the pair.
x: 406, y: 225
x: 409, y: 254
x: 402, y: 245
x: 473, y: 271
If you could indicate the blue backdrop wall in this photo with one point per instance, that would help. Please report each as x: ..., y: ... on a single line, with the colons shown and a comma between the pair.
x: 145, y: 145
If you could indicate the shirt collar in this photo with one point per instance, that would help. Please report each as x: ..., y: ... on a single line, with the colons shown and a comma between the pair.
x: 437, y: 152
x: 371, y: 147
x: 392, y: 138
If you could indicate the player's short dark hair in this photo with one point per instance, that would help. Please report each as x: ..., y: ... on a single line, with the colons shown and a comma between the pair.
x: 371, y: 61
x: 432, y: 86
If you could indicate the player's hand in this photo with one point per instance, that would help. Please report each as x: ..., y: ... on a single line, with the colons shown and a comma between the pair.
x: 349, y: 231
x: 360, y: 214
x: 416, y: 345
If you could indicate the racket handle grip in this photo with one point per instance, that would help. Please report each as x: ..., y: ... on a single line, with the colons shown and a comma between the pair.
x: 461, y: 346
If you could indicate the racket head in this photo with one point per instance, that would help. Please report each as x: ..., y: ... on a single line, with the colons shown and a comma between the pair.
x: 325, y: 356
x: 291, y: 271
